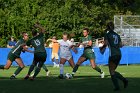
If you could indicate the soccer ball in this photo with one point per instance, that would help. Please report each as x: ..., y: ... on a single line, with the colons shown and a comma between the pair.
x: 68, y: 76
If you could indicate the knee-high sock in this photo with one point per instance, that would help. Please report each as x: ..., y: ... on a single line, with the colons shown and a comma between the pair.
x: 61, y: 69
x: 1, y: 66
x: 37, y: 70
x: 115, y: 81
x: 75, y: 68
x: 45, y: 68
x: 18, y: 71
x: 98, y: 69
x: 119, y: 76
x: 31, y: 69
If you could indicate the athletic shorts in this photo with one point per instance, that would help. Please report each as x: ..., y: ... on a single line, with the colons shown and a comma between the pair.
x: 88, y: 55
x: 67, y: 57
x: 116, y: 59
x: 55, y: 55
x: 40, y: 57
x: 12, y: 57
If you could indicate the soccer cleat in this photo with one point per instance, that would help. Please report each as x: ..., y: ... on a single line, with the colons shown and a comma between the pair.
x: 47, y: 73
x: 125, y: 82
x: 13, y: 77
x: 61, y: 76
x: 26, y: 77
x: 102, y: 75
x: 73, y: 73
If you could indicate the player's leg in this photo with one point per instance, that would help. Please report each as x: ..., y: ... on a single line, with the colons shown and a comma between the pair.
x: 62, y: 62
x: 95, y: 67
x: 114, y: 61
x: 7, y: 66
x: 53, y: 60
x: 80, y: 61
x: 46, y: 69
x: 10, y: 58
x: 112, y: 67
x: 19, y: 69
x: 71, y: 62
x: 56, y: 60
x: 31, y: 69
x: 37, y: 70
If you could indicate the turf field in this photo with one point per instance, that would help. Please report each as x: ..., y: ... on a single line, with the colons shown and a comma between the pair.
x: 86, y: 81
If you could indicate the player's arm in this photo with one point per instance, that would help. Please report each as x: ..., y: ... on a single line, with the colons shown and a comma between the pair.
x: 37, y: 25
x: 25, y: 48
x: 73, y: 47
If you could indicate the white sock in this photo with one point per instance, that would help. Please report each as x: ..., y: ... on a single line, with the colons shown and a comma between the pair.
x: 54, y: 63
x: 61, y: 69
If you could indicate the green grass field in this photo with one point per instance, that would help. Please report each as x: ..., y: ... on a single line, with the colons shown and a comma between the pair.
x: 86, y: 81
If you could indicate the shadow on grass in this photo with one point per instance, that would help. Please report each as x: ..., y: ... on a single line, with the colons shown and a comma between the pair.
x: 79, y: 84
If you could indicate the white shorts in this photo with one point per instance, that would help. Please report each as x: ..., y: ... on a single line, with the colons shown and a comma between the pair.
x: 67, y: 57
x: 55, y: 55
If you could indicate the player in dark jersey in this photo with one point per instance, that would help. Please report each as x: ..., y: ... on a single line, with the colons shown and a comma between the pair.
x: 39, y: 51
x: 88, y: 53
x: 14, y: 55
x: 113, y: 40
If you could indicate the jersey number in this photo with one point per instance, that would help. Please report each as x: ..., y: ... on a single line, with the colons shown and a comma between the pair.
x: 115, y: 39
x: 37, y: 42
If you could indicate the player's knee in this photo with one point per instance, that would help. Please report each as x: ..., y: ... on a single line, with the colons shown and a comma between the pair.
x: 22, y: 66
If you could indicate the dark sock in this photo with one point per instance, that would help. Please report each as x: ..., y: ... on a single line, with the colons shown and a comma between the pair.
x: 45, y: 68
x: 31, y: 69
x: 98, y: 69
x: 115, y: 81
x: 75, y: 68
x: 18, y: 71
x: 37, y: 70
x: 1, y: 66
x: 119, y: 76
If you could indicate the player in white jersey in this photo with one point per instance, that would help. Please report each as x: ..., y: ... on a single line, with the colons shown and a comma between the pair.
x: 65, y: 53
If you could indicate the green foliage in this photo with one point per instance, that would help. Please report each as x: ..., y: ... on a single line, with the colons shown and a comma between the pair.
x: 58, y: 16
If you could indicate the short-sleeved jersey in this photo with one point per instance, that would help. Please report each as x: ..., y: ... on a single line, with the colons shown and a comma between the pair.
x: 16, y: 50
x: 86, y: 40
x: 55, y: 47
x: 113, y: 42
x: 64, y: 47
x: 38, y: 43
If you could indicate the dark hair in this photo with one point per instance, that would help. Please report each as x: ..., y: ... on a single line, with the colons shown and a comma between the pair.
x: 34, y: 32
x: 23, y: 33
x: 110, y: 26
x: 65, y: 33
x: 86, y: 29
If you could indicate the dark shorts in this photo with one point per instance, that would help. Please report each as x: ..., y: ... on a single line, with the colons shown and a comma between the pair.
x: 12, y: 57
x: 115, y: 59
x: 40, y: 57
x: 88, y: 55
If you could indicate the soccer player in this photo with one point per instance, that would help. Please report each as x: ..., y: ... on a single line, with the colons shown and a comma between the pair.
x: 55, y: 48
x: 65, y: 53
x: 88, y: 53
x: 14, y: 55
x: 113, y: 40
x: 39, y: 51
